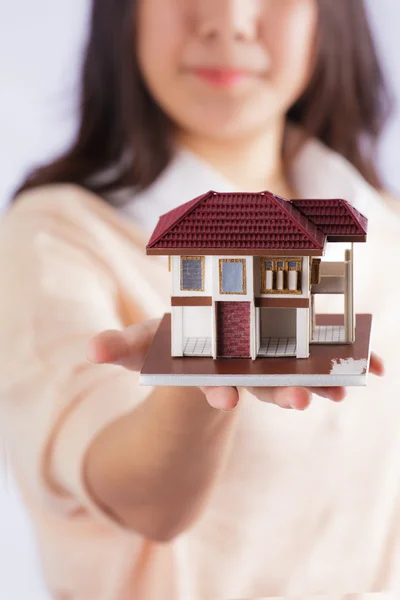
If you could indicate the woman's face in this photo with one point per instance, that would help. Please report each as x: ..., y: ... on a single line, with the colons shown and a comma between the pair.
x: 226, y: 68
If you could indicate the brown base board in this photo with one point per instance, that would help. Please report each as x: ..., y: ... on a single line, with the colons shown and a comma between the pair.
x: 327, y: 365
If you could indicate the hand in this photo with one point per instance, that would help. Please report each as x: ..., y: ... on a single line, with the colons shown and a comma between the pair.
x: 298, y: 398
x: 129, y: 347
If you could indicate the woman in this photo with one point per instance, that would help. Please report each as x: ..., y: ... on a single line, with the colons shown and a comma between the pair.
x: 155, y: 493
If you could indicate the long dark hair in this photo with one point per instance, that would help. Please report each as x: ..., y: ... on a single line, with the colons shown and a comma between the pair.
x: 345, y: 105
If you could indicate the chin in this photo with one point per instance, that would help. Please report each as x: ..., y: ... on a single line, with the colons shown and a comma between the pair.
x: 220, y: 128
x: 230, y: 120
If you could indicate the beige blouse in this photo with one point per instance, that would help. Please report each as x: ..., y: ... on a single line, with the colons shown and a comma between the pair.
x: 308, y: 505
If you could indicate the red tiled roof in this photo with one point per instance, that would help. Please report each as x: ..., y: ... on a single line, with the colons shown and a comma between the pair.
x: 334, y: 217
x: 172, y: 217
x: 237, y: 221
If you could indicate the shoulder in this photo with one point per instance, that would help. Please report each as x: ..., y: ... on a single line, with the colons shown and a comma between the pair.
x: 61, y: 229
x: 58, y: 228
x: 48, y: 226
x: 66, y: 201
x: 386, y: 216
x: 61, y: 213
x: 391, y: 201
x: 68, y: 211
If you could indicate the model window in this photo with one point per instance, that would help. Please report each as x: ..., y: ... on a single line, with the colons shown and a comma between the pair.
x: 232, y: 276
x: 192, y: 273
x: 281, y: 276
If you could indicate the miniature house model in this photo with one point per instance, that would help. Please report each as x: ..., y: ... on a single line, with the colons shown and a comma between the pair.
x: 246, y: 268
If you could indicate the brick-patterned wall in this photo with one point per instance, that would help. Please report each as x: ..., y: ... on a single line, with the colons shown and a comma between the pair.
x: 233, y: 329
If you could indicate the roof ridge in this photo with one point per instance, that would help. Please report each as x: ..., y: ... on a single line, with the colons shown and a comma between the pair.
x: 361, y: 219
x: 310, y: 236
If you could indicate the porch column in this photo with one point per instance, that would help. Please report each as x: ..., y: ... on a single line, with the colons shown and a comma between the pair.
x: 302, y: 332
x: 349, y: 314
x: 253, y: 331
x: 176, y: 330
x: 313, y: 320
x: 214, y: 330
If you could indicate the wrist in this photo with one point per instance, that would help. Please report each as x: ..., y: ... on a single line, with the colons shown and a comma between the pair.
x: 186, y: 409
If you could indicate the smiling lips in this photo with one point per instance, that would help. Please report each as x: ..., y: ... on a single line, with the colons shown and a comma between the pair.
x: 222, y: 77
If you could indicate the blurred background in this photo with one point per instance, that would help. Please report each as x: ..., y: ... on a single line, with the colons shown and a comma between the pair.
x: 41, y: 45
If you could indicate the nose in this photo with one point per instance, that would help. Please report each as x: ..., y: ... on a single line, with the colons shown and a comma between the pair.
x: 229, y: 19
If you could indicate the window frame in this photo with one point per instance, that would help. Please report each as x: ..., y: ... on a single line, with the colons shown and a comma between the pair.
x: 285, y: 260
x: 244, y: 276
x: 315, y: 271
x: 183, y: 289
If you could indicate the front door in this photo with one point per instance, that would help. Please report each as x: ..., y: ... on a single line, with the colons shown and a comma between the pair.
x: 233, y: 329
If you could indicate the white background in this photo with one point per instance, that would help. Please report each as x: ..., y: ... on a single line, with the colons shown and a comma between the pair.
x: 41, y: 42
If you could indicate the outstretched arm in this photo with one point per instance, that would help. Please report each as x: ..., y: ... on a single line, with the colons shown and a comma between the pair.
x: 155, y: 468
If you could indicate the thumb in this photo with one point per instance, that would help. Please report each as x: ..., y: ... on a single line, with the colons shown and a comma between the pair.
x: 127, y: 348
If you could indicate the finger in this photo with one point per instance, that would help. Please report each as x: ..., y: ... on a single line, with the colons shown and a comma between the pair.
x: 127, y: 347
x: 298, y: 398
x: 337, y: 394
x: 376, y: 365
x: 222, y: 398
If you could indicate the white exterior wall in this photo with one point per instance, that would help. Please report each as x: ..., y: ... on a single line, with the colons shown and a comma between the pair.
x: 190, y: 322
x: 201, y: 322
x: 197, y: 321
x: 253, y: 285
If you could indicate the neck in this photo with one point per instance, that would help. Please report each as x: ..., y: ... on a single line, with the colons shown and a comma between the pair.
x: 251, y: 164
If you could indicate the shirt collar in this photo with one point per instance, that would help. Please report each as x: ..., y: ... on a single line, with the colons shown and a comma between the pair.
x: 317, y: 172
